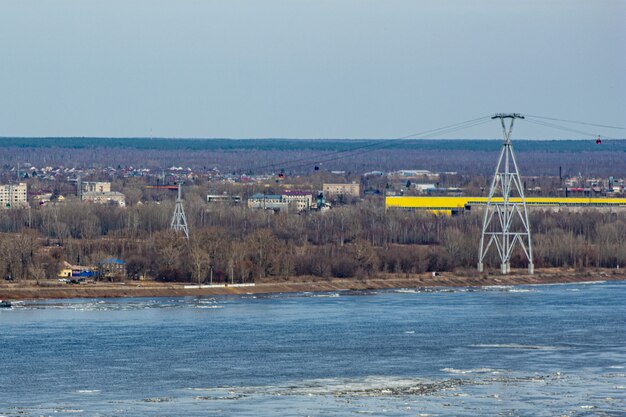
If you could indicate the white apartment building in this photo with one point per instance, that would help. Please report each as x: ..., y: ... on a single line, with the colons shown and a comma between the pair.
x: 352, y: 189
x: 14, y: 195
x: 95, y: 187
x: 302, y: 200
x: 110, y: 197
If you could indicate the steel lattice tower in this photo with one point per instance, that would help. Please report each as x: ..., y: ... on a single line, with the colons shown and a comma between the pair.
x: 506, y: 222
x: 179, y: 221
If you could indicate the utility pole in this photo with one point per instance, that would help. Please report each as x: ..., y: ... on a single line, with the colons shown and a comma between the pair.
x: 179, y: 221
x: 79, y: 188
x: 506, y: 223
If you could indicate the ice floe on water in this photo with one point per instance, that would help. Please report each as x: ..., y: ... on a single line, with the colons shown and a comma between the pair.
x: 324, y: 295
x: 508, y: 288
x: 477, y: 391
x: 484, y: 288
x: 471, y: 371
x: 157, y: 400
x: 128, y: 304
x: 338, y: 387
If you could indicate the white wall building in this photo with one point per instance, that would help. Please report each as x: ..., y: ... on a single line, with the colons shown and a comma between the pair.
x: 14, y: 195
x: 351, y: 189
x: 105, y: 198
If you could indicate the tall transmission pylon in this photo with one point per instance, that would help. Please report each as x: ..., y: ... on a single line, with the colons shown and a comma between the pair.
x: 506, y: 218
x: 179, y: 221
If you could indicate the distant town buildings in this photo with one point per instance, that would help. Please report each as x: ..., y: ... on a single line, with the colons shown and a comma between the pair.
x: 593, y: 186
x: 76, y: 271
x: 352, y: 189
x: 223, y: 198
x: 267, y: 202
x: 100, y: 193
x: 301, y: 200
x: 14, y: 195
x: 111, y: 197
x: 42, y: 199
x: 415, y: 174
x: 112, y: 268
x: 95, y: 187
x: 289, y: 200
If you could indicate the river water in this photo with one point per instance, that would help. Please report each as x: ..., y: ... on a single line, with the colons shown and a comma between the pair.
x: 547, y: 350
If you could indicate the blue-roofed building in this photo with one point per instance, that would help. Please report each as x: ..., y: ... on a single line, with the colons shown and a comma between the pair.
x: 111, y: 268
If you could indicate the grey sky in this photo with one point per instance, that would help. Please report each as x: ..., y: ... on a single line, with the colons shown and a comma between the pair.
x: 306, y: 69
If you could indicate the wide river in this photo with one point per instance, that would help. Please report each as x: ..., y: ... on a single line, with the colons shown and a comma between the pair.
x: 549, y: 350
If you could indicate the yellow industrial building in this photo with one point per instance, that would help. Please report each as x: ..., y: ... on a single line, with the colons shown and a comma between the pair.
x: 456, y: 205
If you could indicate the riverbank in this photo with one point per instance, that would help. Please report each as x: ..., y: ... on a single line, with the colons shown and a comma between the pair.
x: 51, y: 289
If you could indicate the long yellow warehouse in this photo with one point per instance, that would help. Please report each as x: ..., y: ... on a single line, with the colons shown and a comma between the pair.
x: 453, y: 205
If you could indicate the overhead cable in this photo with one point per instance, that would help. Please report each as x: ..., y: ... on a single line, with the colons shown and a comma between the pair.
x: 576, y: 122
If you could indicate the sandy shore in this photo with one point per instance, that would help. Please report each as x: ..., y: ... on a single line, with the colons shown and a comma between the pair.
x: 51, y: 289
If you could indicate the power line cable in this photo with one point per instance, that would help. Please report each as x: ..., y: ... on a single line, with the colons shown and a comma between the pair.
x: 575, y: 122
x: 565, y: 128
x: 382, y: 143
x: 331, y: 158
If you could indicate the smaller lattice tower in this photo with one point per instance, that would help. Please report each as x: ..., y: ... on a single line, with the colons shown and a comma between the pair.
x: 179, y: 221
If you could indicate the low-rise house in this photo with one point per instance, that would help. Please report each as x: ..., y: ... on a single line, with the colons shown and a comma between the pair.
x: 75, y: 271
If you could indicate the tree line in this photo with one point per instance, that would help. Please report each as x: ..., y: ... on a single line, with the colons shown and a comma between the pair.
x: 234, y: 243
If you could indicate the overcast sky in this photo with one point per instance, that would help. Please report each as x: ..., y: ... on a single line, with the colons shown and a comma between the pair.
x: 307, y: 69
